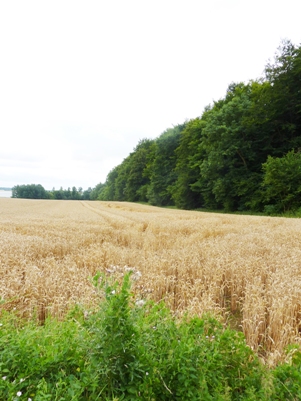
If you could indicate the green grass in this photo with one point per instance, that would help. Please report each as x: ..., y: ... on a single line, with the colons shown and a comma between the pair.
x: 126, y: 352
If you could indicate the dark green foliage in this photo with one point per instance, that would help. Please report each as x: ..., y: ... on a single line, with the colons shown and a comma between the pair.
x: 108, y: 191
x: 226, y: 167
x: 221, y: 159
x: 282, y: 182
x: 68, y: 194
x: 161, y: 169
x: 96, y: 192
x: 137, y: 181
x: 184, y: 192
x: 285, y: 97
x: 128, y: 180
x: 148, y: 173
x: 31, y: 191
x: 34, y: 191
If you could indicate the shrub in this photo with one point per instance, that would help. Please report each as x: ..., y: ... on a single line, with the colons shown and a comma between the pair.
x: 145, y: 353
x: 287, y: 377
x: 40, y: 361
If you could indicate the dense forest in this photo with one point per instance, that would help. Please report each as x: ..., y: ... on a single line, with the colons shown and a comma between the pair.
x: 242, y: 154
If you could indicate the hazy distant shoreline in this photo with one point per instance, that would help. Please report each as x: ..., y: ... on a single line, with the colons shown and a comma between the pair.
x: 5, y: 193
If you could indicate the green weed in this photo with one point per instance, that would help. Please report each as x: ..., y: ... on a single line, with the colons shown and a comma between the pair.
x: 129, y: 352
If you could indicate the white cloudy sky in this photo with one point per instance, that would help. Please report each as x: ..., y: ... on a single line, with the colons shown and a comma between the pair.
x: 82, y: 81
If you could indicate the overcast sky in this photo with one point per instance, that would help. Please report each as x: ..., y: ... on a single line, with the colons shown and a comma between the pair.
x: 81, y: 82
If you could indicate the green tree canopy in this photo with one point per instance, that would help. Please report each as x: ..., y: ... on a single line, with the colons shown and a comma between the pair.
x: 223, y: 159
x: 282, y: 182
x: 161, y: 169
x: 30, y: 191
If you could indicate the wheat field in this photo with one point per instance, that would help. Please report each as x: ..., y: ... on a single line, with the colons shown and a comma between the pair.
x: 245, y: 269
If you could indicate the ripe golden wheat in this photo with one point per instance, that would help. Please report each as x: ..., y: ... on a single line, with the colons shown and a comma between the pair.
x: 245, y: 269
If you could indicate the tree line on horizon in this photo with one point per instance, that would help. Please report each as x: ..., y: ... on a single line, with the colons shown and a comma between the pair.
x: 37, y: 191
x: 242, y: 154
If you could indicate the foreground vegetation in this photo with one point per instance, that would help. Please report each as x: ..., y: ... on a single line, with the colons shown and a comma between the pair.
x: 127, y: 351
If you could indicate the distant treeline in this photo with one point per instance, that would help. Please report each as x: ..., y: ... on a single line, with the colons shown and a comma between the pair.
x: 33, y: 191
x: 242, y: 153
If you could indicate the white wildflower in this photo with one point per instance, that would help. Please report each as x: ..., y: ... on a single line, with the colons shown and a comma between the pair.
x: 140, y: 303
x: 22, y: 380
x: 113, y: 292
x: 4, y: 377
x: 136, y: 275
x: 19, y: 393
